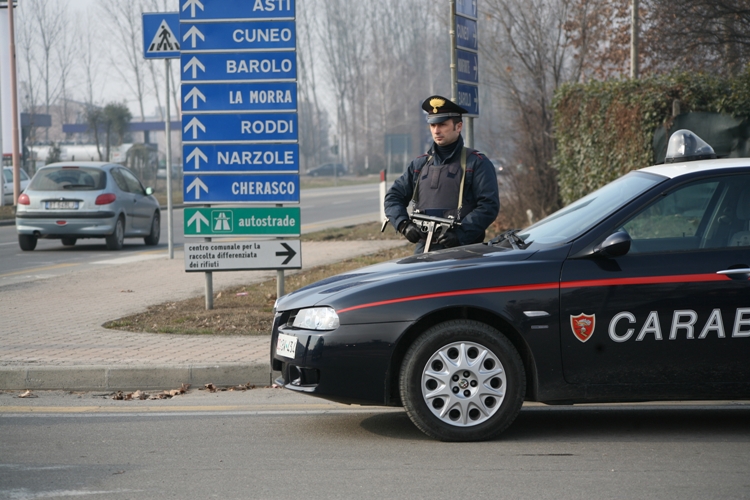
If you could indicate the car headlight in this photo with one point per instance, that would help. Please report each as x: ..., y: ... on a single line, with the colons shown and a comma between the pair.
x: 316, y: 318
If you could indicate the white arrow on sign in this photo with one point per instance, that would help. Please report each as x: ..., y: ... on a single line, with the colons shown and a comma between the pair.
x: 197, y: 218
x: 197, y: 184
x: 195, y: 124
x: 194, y: 32
x: 198, y: 155
x: 195, y: 64
x: 195, y: 94
x: 192, y: 4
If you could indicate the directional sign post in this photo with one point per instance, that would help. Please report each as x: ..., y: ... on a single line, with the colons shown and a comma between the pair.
x: 213, y: 256
x: 240, y: 131
x: 465, y: 62
x: 234, y: 221
x: 160, y: 41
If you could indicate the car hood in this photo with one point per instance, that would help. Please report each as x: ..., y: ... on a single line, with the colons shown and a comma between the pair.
x: 453, y: 269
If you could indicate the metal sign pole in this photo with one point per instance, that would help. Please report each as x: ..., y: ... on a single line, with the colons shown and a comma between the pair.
x: 454, y: 56
x: 209, y: 286
x: 168, y: 130
x: 14, y: 108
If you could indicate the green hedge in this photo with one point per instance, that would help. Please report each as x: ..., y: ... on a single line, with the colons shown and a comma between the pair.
x: 605, y: 129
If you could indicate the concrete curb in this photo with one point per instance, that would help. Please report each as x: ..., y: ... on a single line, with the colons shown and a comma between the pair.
x: 130, y: 378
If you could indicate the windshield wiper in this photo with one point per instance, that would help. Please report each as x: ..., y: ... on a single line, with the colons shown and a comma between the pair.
x: 512, y: 237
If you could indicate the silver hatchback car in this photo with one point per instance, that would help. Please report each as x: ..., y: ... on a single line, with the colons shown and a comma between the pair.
x: 73, y: 200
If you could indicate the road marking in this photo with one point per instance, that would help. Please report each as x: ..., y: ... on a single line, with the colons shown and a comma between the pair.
x: 140, y: 256
x: 37, y: 269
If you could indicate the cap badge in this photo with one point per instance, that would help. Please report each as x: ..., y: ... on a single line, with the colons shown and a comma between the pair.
x: 437, y: 103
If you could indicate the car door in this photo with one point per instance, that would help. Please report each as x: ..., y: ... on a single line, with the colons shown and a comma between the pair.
x: 675, y: 309
x: 143, y: 207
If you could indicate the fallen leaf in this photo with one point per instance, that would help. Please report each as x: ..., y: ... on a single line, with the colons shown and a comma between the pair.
x: 218, y: 296
x: 27, y: 394
x: 118, y: 396
x: 210, y: 387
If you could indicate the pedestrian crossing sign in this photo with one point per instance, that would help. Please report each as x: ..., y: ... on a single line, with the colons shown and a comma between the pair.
x: 160, y: 35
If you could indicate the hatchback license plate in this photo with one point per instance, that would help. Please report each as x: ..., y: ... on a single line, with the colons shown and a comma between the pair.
x: 286, y: 346
x: 62, y: 205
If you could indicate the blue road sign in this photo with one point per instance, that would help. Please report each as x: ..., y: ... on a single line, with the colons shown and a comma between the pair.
x: 467, y: 8
x: 468, y: 66
x: 255, y: 158
x: 466, y: 34
x: 238, y: 97
x: 468, y: 98
x: 160, y: 35
x: 241, y: 127
x: 213, y: 10
x: 222, y: 67
x: 242, y: 188
x: 238, y: 36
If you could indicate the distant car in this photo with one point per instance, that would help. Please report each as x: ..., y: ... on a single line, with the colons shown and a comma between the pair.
x: 8, y: 181
x: 74, y: 200
x: 327, y: 169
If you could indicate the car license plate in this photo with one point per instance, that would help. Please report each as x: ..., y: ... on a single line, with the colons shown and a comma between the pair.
x: 62, y: 205
x: 286, y: 346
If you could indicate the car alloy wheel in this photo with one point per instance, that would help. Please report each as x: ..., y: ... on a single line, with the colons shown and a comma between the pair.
x: 462, y: 381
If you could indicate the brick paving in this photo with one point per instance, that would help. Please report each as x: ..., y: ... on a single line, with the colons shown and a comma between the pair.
x: 55, y: 323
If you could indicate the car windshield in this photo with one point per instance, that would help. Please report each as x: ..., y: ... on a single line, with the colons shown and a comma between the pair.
x: 571, y: 221
x: 69, y: 179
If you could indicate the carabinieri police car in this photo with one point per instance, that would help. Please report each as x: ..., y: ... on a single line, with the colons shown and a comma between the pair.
x: 639, y: 291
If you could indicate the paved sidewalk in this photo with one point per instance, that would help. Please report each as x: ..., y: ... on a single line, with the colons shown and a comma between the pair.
x: 51, y: 335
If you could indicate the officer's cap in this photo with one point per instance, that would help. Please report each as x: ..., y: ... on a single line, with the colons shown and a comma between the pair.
x: 440, y: 109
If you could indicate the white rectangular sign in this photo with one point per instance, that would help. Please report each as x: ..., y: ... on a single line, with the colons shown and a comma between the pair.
x: 242, y: 255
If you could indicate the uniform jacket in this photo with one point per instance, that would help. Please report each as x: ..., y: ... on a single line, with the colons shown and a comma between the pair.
x: 481, y: 198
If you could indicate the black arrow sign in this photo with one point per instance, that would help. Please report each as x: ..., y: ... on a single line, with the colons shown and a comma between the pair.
x: 289, y: 254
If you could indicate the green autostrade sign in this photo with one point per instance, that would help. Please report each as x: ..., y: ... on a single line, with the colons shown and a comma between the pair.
x: 269, y: 221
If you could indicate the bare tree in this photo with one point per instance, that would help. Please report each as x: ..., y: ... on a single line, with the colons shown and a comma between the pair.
x: 27, y: 57
x: 49, y: 23
x: 123, y: 19
x: 529, y: 56
x: 65, y: 57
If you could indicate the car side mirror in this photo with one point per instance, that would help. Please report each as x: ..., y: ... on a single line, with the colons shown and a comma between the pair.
x: 614, y: 245
x: 149, y: 191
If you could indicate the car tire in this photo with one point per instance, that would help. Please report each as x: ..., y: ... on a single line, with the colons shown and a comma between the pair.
x: 27, y: 242
x: 153, y: 237
x: 462, y: 380
x: 117, y: 238
x: 69, y: 242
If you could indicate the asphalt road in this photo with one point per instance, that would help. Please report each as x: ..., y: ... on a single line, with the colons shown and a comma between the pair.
x: 270, y: 443
x: 320, y: 208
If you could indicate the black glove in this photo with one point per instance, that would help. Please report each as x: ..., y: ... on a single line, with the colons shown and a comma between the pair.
x: 411, y: 231
x: 448, y: 239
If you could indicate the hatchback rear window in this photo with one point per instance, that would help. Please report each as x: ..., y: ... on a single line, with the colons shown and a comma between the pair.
x: 69, y: 179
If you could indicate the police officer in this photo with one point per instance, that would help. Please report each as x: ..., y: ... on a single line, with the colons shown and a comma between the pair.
x: 449, y: 180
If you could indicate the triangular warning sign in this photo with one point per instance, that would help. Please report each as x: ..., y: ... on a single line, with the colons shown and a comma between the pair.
x: 164, y: 41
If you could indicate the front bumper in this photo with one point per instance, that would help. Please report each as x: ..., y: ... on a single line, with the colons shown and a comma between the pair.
x: 351, y: 364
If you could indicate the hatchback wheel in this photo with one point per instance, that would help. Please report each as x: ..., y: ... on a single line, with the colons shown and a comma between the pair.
x: 462, y: 381
x: 69, y: 242
x: 153, y: 237
x: 116, y: 239
x: 27, y: 242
